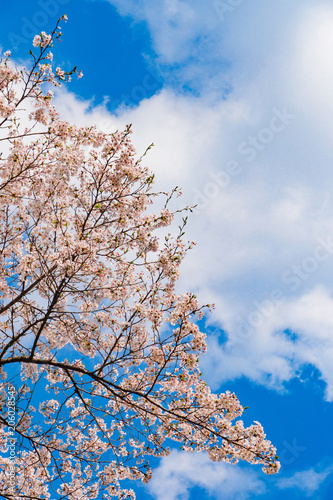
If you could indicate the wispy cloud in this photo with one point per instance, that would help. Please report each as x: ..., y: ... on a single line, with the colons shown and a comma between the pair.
x: 180, y: 472
x: 309, y: 481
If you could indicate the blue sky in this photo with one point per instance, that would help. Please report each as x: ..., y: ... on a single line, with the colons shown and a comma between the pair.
x: 237, y: 97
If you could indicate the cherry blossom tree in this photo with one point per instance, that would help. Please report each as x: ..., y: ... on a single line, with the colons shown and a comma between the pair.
x: 102, y: 352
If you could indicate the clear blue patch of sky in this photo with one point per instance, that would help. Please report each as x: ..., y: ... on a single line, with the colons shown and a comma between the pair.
x: 290, y: 419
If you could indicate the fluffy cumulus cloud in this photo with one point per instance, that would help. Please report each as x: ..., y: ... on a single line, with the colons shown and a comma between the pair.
x: 180, y: 472
x: 281, y: 336
x: 249, y: 140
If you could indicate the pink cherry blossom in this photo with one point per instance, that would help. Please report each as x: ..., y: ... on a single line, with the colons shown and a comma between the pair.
x: 89, y: 312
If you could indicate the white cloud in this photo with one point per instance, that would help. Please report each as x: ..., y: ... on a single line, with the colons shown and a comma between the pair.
x: 308, y: 481
x: 258, y: 163
x: 179, y: 472
x: 265, y: 354
x: 313, y: 67
x: 175, y: 26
